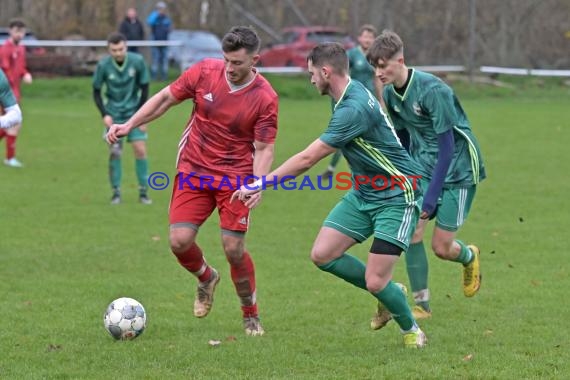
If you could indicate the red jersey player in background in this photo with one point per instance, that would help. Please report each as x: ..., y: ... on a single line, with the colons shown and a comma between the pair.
x: 230, y: 136
x: 13, y: 62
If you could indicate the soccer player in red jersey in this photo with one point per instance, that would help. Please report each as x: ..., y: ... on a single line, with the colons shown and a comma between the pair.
x: 229, y: 136
x: 13, y: 62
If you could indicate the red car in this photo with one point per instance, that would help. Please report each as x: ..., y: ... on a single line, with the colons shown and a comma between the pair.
x: 297, y: 42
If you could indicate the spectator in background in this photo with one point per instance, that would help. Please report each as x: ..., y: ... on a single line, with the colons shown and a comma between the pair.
x: 132, y: 28
x: 160, y: 26
x: 13, y: 63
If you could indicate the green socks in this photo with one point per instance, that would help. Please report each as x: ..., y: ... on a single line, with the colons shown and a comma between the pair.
x: 349, y: 268
x: 417, y: 267
x: 141, y: 168
x: 115, y: 172
x: 465, y: 255
x: 394, y: 300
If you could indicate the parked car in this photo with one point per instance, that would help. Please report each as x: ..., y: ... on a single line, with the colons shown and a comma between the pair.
x: 297, y: 42
x: 196, y: 45
x: 35, y: 50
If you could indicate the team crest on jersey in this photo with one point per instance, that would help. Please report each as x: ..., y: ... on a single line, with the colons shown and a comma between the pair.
x: 417, y: 109
x: 132, y: 71
x: 111, y: 76
x: 396, y: 108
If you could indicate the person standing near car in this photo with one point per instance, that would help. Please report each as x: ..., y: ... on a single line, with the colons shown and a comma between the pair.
x: 13, y: 63
x: 161, y: 26
x: 132, y: 28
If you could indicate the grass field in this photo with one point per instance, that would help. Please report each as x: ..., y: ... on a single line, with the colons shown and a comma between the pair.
x: 65, y: 253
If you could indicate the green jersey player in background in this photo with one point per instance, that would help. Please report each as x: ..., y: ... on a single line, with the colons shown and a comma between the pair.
x: 363, y: 72
x: 442, y: 142
x: 10, y: 113
x: 362, y: 131
x: 125, y: 77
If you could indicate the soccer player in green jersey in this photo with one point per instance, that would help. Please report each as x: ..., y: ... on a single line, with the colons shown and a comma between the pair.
x: 363, y: 72
x: 362, y: 131
x: 125, y: 76
x: 10, y: 113
x: 442, y: 142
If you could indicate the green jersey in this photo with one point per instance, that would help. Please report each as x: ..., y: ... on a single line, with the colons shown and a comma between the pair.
x: 7, y: 98
x: 360, y: 69
x: 382, y: 170
x: 123, y: 84
x: 427, y: 108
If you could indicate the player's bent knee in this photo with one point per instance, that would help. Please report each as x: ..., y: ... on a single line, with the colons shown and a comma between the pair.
x: 320, y: 257
x: 376, y: 284
x: 180, y: 240
x: 234, y: 249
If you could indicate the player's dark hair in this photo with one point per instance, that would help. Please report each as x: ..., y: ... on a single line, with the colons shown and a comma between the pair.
x: 241, y: 37
x: 116, y: 37
x: 385, y: 46
x: 329, y: 53
x: 16, y: 23
x: 367, y: 28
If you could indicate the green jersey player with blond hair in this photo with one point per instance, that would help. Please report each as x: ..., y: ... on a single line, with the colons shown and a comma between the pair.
x: 125, y: 78
x: 362, y: 131
x: 442, y: 142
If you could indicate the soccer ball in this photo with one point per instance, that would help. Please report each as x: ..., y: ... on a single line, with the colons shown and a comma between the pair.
x: 125, y: 319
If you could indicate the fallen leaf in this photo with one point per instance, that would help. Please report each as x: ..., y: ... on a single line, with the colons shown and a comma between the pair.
x: 53, y: 347
x: 488, y: 332
x: 231, y: 338
x: 214, y: 343
x: 468, y: 358
x: 156, y: 238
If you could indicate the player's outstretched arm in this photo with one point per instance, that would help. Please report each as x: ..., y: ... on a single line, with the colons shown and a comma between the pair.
x: 294, y: 166
x: 155, y: 107
x: 264, y: 154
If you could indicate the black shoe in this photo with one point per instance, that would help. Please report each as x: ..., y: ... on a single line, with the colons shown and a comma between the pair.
x: 116, y: 199
x: 145, y: 200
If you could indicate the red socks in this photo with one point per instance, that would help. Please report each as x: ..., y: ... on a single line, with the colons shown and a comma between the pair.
x: 193, y: 261
x: 243, y: 277
x: 10, y: 146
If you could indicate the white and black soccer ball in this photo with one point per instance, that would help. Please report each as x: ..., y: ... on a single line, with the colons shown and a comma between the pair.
x: 125, y: 318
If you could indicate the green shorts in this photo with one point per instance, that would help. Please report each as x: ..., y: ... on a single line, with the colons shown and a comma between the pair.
x: 452, y: 206
x: 391, y: 222
x: 134, y: 135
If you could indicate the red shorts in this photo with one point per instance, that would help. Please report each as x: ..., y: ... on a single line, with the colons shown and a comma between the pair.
x: 195, y: 205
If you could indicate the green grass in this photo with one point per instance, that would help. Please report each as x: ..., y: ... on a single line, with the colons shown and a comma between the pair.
x: 65, y: 254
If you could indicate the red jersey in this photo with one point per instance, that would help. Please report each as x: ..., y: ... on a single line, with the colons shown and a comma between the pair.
x: 219, y: 138
x: 13, y: 62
